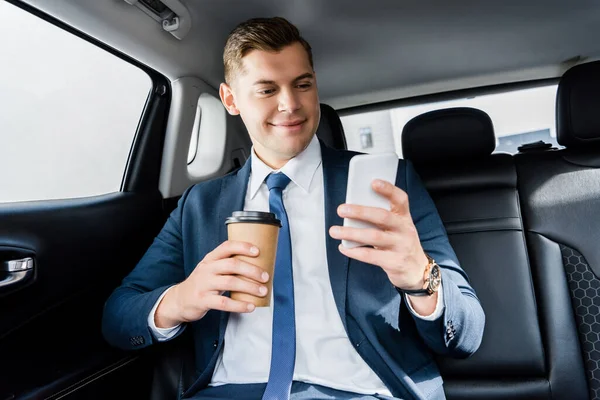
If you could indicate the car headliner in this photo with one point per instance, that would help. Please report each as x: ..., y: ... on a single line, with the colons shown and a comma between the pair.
x: 365, y: 52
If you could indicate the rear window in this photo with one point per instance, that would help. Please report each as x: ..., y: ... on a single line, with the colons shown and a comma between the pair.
x: 519, y: 117
x: 69, y: 112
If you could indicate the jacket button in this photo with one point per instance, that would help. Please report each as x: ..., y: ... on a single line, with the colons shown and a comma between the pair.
x: 215, y: 344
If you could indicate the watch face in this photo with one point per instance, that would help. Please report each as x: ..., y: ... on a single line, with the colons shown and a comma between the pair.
x: 435, y: 277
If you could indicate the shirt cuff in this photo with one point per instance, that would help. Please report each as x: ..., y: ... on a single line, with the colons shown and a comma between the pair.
x: 161, y: 334
x: 439, y: 307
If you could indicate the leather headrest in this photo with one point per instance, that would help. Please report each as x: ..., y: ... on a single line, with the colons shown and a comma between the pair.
x: 578, y: 106
x: 448, y: 134
x: 330, y: 129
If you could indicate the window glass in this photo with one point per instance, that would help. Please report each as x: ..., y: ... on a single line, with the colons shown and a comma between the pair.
x: 69, y: 112
x: 519, y: 117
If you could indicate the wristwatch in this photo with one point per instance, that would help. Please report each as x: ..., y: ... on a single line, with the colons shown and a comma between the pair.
x: 432, y: 277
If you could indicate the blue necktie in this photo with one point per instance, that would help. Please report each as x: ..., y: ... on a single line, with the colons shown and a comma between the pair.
x: 283, y: 350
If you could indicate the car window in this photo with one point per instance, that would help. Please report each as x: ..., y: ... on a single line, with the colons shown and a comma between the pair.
x: 69, y: 112
x: 519, y: 117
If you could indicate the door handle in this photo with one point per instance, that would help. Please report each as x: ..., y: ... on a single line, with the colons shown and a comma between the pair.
x: 17, y: 272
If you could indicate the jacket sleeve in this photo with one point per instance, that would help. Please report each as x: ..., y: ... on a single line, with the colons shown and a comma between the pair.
x: 459, y: 330
x: 125, y: 317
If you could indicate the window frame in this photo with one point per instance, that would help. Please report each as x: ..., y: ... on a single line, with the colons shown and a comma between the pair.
x: 446, y: 96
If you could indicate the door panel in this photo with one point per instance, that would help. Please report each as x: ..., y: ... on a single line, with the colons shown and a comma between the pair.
x: 50, y: 334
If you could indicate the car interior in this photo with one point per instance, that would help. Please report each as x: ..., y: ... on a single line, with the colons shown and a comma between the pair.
x: 524, y: 225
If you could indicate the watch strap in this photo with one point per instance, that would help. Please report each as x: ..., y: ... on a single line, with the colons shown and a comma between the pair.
x: 416, y: 292
x: 428, y: 290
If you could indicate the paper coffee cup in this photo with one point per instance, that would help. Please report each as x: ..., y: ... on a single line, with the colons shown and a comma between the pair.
x: 262, y: 230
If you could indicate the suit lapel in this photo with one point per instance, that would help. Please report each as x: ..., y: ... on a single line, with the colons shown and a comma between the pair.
x: 231, y: 198
x: 335, y: 178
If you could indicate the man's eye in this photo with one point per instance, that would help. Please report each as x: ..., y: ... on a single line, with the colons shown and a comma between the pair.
x: 266, y: 91
x: 304, y: 85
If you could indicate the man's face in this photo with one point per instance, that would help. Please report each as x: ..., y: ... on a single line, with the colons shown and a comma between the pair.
x: 276, y: 96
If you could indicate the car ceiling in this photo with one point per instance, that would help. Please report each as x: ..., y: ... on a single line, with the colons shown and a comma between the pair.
x: 365, y: 52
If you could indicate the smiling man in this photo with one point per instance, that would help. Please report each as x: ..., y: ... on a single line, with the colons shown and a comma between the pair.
x: 361, y: 323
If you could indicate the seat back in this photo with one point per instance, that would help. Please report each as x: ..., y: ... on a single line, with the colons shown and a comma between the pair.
x: 560, y: 197
x: 174, y: 367
x: 330, y: 129
x: 475, y: 192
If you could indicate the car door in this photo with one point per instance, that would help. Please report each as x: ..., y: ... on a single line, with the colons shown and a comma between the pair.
x: 81, y: 136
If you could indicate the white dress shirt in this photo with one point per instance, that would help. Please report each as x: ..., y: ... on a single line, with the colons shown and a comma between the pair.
x: 324, y: 354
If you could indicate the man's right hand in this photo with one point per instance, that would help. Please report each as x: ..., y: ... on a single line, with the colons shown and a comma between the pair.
x: 203, y: 289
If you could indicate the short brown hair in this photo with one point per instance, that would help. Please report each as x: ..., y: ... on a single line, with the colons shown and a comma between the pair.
x: 266, y: 34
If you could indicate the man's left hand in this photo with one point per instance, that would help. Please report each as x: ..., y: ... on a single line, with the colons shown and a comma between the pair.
x: 396, y: 247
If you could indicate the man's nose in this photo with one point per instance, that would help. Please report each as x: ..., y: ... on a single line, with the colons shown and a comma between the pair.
x: 288, y: 100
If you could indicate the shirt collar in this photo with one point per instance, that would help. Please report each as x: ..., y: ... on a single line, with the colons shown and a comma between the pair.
x: 300, y: 169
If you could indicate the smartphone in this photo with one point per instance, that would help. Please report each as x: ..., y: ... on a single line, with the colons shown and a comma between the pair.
x: 363, y: 169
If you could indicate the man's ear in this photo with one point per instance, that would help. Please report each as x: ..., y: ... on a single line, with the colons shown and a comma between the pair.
x: 226, y: 94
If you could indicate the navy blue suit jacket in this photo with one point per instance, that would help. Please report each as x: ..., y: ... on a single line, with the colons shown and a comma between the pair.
x: 396, y: 344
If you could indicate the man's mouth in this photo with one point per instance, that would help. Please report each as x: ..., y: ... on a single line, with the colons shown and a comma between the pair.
x: 289, y: 124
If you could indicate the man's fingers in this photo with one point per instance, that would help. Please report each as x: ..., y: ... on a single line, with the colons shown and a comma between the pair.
x: 231, y: 248
x: 232, y: 283
x: 383, y: 218
x: 223, y: 303
x: 372, y: 237
x: 235, y: 266
x: 368, y: 255
x: 397, y: 197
